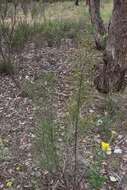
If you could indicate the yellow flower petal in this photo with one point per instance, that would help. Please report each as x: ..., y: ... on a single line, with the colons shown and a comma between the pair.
x: 109, y: 152
x: 9, y: 184
x: 106, y: 147
x: 114, y: 133
x: 18, y: 168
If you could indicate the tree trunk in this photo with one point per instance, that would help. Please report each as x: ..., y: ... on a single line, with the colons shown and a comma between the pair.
x: 111, y: 77
x: 77, y: 2
x: 117, y: 39
x: 97, y: 22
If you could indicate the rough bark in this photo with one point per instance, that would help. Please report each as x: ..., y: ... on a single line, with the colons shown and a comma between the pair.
x: 117, y: 40
x: 111, y: 75
x: 97, y: 22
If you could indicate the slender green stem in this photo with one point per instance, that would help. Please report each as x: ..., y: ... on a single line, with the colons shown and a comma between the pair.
x: 76, y: 127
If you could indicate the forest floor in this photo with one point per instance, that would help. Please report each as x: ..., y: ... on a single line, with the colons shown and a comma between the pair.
x: 17, y: 113
x: 102, y: 118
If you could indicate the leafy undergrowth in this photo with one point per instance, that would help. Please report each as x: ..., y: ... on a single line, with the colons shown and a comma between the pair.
x: 37, y: 132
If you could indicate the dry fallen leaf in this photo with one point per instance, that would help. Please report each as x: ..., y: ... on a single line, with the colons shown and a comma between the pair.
x: 113, y: 179
x: 117, y: 150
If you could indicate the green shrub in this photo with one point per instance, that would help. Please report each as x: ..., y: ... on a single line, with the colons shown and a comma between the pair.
x: 22, y: 34
x: 95, y: 179
x: 7, y: 68
x: 51, y: 31
x: 46, y: 145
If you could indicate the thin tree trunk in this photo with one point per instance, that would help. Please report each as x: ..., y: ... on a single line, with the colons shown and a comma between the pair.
x: 97, y: 22
x: 111, y: 77
x: 76, y: 2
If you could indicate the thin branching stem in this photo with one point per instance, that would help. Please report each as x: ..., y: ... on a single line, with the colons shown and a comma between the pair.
x: 76, y: 127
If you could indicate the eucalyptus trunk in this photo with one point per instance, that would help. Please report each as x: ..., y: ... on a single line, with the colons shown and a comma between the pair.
x: 97, y: 22
x: 111, y: 77
x: 76, y: 2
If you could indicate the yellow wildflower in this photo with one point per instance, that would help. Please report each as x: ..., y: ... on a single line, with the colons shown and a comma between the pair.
x: 114, y: 133
x: 9, y: 184
x: 18, y: 168
x: 106, y: 147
